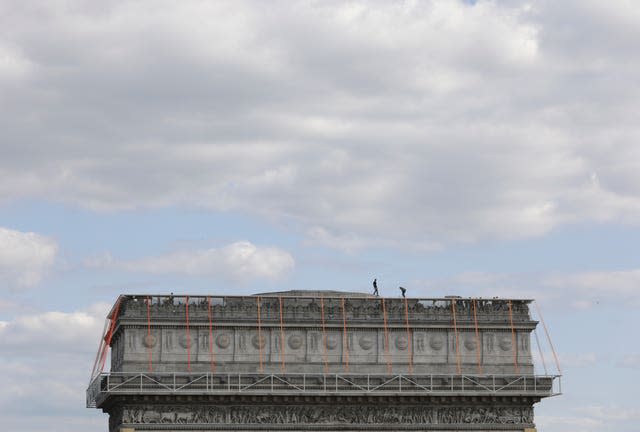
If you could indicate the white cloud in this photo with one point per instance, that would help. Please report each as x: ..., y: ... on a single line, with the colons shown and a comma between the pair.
x: 13, y: 65
x: 577, y: 360
x: 563, y: 423
x: 25, y: 257
x: 49, y: 353
x: 76, y: 332
x: 578, y: 290
x: 611, y: 413
x: 408, y: 124
x: 592, y: 417
x: 596, y: 286
x: 56, y: 423
x: 631, y: 361
x: 240, y: 261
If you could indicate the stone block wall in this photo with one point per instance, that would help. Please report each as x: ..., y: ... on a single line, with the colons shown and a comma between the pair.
x: 307, y: 334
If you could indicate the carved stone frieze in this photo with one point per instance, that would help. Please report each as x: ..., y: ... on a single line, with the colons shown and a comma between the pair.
x: 325, y: 414
x: 308, y: 308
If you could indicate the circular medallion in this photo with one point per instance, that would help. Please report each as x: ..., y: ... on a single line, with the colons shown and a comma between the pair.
x: 402, y: 343
x: 505, y: 343
x: 332, y: 341
x: 366, y: 342
x: 436, y: 343
x: 295, y: 341
x: 149, y: 341
x: 223, y: 341
x: 184, y: 341
x: 258, y: 342
x: 470, y: 344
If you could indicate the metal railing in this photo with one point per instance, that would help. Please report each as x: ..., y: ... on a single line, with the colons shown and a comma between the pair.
x: 139, y: 383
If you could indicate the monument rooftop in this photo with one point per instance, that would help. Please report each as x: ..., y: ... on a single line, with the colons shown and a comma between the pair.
x: 322, y: 347
x: 314, y: 294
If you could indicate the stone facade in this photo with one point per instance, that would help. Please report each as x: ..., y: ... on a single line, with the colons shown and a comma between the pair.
x: 304, y: 340
x: 362, y: 417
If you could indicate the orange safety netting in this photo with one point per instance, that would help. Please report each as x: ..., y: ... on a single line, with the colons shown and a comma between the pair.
x: 100, y: 348
x: 107, y: 340
x: 544, y: 363
x: 546, y: 330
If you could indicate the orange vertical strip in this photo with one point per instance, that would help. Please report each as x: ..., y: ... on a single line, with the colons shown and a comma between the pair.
x: 100, y: 348
x: 188, y: 336
x: 149, y: 347
x: 324, y: 337
x: 345, y: 345
x: 386, y: 337
x: 258, y: 302
x: 282, y: 367
x: 212, y: 357
x: 555, y: 356
x: 455, y: 329
x: 406, y: 321
x: 110, y: 334
x: 514, y: 344
x: 478, y: 344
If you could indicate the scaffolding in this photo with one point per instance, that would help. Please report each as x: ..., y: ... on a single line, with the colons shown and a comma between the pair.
x: 319, y: 384
x: 339, y: 313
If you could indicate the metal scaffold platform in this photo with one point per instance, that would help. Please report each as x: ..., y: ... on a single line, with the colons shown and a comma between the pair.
x: 123, y: 383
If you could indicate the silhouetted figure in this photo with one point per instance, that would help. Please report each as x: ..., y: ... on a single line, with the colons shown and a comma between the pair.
x: 403, y: 290
x: 375, y: 288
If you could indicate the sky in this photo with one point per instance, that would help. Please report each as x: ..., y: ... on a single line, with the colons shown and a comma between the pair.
x: 473, y: 148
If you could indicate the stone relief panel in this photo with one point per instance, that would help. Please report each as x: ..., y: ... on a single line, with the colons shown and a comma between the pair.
x: 430, y: 346
x: 498, y: 348
x: 223, y: 346
x: 136, y: 343
x: 320, y: 344
x: 176, y: 343
x: 250, y: 344
x: 325, y: 414
x: 397, y: 348
x: 363, y: 346
x: 469, y: 346
x: 524, y: 347
x: 293, y: 343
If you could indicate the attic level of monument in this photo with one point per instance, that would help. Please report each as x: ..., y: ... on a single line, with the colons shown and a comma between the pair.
x: 318, y: 360
x: 313, y: 294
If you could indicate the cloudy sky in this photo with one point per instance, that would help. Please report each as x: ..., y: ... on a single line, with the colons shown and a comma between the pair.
x: 452, y: 147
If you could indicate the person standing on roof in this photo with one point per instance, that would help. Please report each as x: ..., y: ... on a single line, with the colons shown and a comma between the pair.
x: 403, y: 291
x: 375, y: 288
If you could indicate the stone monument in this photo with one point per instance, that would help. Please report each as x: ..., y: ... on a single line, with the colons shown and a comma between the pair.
x: 319, y: 361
